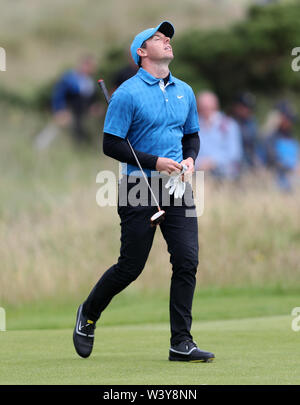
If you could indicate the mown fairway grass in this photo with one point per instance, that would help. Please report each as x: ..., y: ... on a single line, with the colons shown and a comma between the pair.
x: 249, y: 330
x: 248, y: 351
x: 133, y: 307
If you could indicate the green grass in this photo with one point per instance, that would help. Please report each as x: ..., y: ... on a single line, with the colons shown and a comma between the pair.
x: 56, y: 238
x: 133, y: 307
x: 249, y: 351
x: 248, y: 329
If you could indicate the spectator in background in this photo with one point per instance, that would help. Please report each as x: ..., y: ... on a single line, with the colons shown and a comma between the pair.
x: 74, y: 94
x: 72, y: 98
x: 220, y: 140
x: 282, y: 149
x: 242, y: 111
x: 125, y: 73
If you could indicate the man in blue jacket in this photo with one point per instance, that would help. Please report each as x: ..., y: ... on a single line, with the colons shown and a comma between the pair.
x: 73, y: 95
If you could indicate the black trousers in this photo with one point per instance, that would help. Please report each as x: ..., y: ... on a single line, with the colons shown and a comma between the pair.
x: 79, y: 106
x: 181, y: 234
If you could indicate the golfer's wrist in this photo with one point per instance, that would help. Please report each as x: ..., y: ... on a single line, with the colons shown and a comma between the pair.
x: 158, y: 164
x: 155, y: 159
x: 189, y: 159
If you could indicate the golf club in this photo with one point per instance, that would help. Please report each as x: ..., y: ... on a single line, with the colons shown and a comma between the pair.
x: 159, y: 216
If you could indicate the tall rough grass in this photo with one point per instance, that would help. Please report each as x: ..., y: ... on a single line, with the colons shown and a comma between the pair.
x: 246, y: 238
x: 55, y: 241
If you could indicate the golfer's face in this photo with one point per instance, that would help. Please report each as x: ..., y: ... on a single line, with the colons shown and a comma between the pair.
x: 159, y: 47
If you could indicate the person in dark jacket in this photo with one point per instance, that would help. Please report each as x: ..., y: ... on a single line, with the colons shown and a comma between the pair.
x: 73, y: 97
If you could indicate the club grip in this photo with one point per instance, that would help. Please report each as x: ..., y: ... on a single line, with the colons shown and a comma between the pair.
x: 102, y: 86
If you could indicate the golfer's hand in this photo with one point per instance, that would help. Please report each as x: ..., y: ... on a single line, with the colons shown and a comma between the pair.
x: 167, y: 165
x: 189, y: 162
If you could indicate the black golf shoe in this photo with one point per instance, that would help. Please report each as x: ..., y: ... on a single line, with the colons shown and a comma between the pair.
x: 83, y: 336
x: 188, y: 351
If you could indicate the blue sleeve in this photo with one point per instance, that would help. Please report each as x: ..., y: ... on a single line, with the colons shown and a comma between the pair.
x: 235, y: 149
x: 119, y: 114
x: 192, y: 122
x: 67, y: 84
x: 59, y: 96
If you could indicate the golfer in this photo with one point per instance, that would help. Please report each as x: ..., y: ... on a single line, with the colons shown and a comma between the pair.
x: 158, y: 115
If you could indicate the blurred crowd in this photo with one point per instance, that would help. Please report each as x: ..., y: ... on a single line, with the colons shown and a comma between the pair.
x: 232, y: 143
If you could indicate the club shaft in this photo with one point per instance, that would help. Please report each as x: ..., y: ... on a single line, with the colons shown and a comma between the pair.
x: 107, y: 98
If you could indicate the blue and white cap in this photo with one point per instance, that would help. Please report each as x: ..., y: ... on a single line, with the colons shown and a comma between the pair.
x: 165, y: 28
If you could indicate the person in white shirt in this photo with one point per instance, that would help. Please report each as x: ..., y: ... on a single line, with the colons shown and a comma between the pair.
x: 220, y: 139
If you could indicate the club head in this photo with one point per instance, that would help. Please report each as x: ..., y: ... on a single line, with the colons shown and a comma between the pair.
x: 157, y: 218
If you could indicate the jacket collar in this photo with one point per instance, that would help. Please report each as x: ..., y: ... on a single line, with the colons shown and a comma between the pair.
x: 148, y: 78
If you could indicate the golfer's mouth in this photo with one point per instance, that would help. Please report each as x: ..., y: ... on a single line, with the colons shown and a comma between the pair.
x: 168, y: 48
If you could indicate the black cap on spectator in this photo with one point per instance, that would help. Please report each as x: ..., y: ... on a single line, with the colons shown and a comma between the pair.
x: 285, y: 108
x: 247, y: 99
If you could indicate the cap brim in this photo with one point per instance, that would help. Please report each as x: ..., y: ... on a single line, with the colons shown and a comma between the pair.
x: 166, y: 28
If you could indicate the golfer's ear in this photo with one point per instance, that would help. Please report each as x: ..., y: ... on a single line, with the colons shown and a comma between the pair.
x: 141, y: 52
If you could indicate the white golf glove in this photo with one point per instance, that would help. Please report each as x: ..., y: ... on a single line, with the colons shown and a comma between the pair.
x: 175, y: 184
